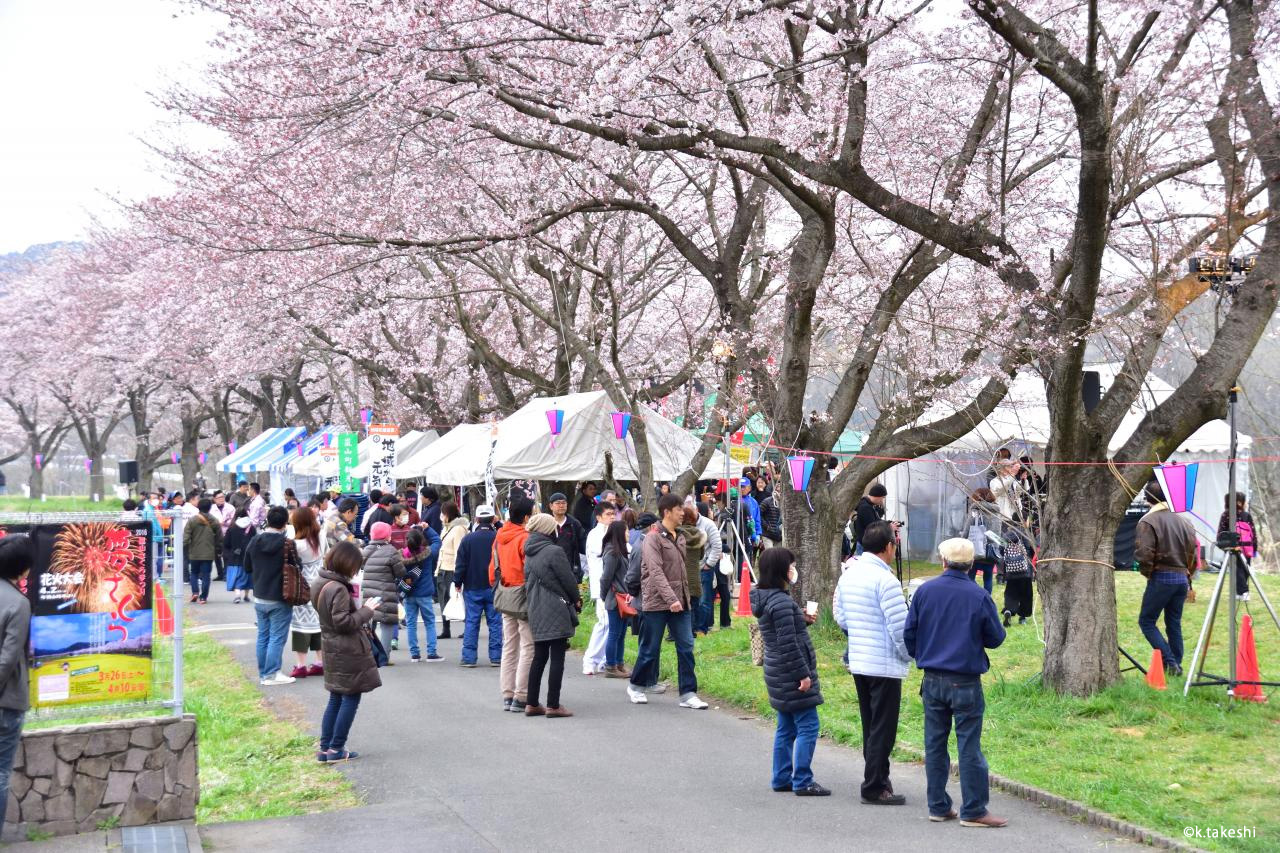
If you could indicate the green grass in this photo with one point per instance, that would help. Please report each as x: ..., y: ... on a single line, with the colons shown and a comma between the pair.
x: 11, y: 503
x: 1118, y: 751
x: 252, y: 763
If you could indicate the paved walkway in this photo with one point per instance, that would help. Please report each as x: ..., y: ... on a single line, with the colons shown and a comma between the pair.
x: 443, y: 768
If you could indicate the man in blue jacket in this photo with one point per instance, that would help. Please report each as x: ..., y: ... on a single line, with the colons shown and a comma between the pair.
x: 471, y: 581
x: 951, y: 623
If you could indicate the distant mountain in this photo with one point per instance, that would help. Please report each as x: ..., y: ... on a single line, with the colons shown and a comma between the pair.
x: 15, y: 261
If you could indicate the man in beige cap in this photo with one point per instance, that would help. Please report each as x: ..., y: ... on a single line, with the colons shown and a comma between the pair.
x: 951, y: 623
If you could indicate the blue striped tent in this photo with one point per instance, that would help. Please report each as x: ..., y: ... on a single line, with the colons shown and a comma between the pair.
x: 258, y: 454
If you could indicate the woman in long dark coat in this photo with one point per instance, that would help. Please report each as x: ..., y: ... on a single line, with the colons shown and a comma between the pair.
x: 349, y: 667
x: 551, y: 590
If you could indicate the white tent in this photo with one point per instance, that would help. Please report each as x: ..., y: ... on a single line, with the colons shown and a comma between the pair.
x: 407, y: 445
x: 930, y: 493
x: 525, y: 450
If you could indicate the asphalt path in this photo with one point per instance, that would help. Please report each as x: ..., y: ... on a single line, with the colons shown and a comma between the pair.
x: 444, y: 768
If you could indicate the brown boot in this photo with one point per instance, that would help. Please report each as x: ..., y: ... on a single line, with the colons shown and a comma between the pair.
x: 561, y: 711
x: 615, y: 672
x: 623, y: 671
x: 534, y: 711
x: 987, y: 821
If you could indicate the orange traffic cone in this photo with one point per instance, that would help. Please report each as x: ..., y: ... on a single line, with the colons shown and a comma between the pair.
x: 1155, y: 672
x: 744, y: 592
x: 163, y: 615
x: 1247, y: 664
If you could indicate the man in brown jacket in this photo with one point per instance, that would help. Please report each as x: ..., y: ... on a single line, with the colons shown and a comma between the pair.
x: 1167, y: 556
x: 664, y: 589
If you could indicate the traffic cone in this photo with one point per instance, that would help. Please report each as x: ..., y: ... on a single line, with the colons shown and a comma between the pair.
x: 1247, y: 664
x: 164, y: 616
x: 1155, y: 673
x: 744, y: 592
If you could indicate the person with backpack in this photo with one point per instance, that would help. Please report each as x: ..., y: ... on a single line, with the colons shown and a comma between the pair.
x: 471, y: 581
x: 616, y: 551
x: 506, y: 573
x: 551, y: 591
x: 202, y: 543
x: 264, y: 562
x: 770, y: 515
x: 350, y: 670
x: 418, y: 589
x: 233, y: 548
x: 1248, y: 541
x: 790, y: 674
x: 383, y: 569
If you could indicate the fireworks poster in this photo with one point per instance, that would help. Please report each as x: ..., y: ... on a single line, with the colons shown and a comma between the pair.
x: 91, y: 616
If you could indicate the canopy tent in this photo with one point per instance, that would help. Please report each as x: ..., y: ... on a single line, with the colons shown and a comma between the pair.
x: 930, y: 493
x: 284, y: 470
x: 258, y: 454
x: 525, y: 449
x: 407, y: 445
x: 756, y: 433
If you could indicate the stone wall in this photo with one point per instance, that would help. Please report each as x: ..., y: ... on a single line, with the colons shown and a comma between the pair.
x: 127, y: 773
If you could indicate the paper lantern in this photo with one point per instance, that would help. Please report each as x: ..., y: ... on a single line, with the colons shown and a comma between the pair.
x: 88, y: 465
x: 801, y: 470
x: 621, y: 424
x: 1179, y: 484
x: 39, y: 460
x: 366, y: 415
x: 555, y: 420
x: 202, y: 457
x: 231, y: 447
x: 174, y: 457
x: 328, y: 436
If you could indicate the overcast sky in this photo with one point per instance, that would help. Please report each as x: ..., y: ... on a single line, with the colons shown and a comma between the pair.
x: 74, y: 106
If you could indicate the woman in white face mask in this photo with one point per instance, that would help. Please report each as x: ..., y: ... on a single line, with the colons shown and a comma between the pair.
x: 790, y: 673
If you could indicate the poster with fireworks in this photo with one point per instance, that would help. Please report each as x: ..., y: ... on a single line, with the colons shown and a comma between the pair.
x: 91, y: 617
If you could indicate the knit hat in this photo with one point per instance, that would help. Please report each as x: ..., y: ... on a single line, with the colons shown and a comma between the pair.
x: 646, y: 520
x: 558, y: 496
x: 541, y: 523
x: 956, y: 551
x: 380, y: 530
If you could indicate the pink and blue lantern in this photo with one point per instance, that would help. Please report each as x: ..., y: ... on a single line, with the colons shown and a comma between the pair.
x: 203, y: 457
x: 801, y: 470
x: 231, y: 447
x: 555, y: 420
x: 366, y: 415
x: 88, y: 465
x: 1179, y: 484
x: 39, y: 460
x: 621, y: 425
x: 175, y: 457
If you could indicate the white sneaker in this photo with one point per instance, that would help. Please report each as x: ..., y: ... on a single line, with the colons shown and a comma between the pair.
x: 691, y: 700
x: 657, y: 689
x: 637, y: 697
x: 278, y: 678
x: 1244, y: 596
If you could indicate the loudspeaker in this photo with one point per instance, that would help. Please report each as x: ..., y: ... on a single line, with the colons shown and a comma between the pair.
x: 128, y: 471
x: 1092, y: 390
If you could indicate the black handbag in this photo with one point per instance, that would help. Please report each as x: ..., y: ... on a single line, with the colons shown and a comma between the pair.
x: 380, y: 657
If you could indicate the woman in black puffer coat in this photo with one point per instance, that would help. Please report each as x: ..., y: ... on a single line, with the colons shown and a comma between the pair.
x: 551, y: 590
x: 790, y: 674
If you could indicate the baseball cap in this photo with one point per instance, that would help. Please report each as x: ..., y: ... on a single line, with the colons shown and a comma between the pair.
x: 558, y: 496
x: 484, y: 511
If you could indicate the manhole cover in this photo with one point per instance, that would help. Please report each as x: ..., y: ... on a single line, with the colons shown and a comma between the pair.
x: 154, y: 839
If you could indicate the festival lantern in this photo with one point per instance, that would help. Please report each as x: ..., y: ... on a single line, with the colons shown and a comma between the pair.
x: 39, y: 460
x: 1179, y: 484
x: 366, y: 415
x: 174, y: 457
x: 231, y: 447
x: 621, y: 424
x: 801, y: 471
x: 88, y: 465
x: 555, y: 420
x: 202, y: 457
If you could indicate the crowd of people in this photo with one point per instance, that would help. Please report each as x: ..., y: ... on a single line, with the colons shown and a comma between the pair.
x: 379, y: 564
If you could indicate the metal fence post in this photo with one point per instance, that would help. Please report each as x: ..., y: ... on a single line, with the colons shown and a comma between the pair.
x: 178, y: 599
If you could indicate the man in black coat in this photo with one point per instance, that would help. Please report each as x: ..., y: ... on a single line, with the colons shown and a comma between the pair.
x: 264, y: 563
x: 869, y: 510
x: 570, y: 534
x: 584, y: 508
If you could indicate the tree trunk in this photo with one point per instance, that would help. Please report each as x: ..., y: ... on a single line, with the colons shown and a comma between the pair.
x: 36, y: 480
x: 814, y: 537
x: 97, y: 475
x: 1078, y: 599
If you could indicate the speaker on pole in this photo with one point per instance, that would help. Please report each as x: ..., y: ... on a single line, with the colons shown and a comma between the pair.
x: 128, y: 471
x: 1092, y: 390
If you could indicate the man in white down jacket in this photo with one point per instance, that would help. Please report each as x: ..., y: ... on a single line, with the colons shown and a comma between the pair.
x: 869, y: 606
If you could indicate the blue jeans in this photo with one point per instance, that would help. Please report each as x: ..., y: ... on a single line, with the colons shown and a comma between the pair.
x: 1164, y: 598
x: 704, y: 617
x: 10, y: 736
x: 793, y: 745
x: 988, y: 569
x: 616, y: 641
x: 652, y: 626
x: 273, y: 629
x: 480, y: 603
x: 200, y: 571
x: 958, y: 698
x: 414, y: 605
x: 335, y: 725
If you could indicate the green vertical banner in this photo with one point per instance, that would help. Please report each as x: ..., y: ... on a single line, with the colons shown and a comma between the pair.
x: 348, y: 458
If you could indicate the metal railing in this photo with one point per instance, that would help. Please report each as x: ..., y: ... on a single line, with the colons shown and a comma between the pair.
x: 165, y: 692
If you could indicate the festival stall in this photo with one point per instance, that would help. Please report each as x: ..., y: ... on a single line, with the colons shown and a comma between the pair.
x: 258, y: 454
x: 284, y: 470
x: 560, y: 438
x: 930, y: 494
x: 407, y: 445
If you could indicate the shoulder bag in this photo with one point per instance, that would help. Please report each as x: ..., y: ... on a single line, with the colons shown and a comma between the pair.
x: 294, y: 587
x: 507, y: 600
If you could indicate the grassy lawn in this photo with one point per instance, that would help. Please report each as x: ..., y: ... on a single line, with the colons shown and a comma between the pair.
x: 252, y: 763
x: 1150, y: 757
x: 12, y: 503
